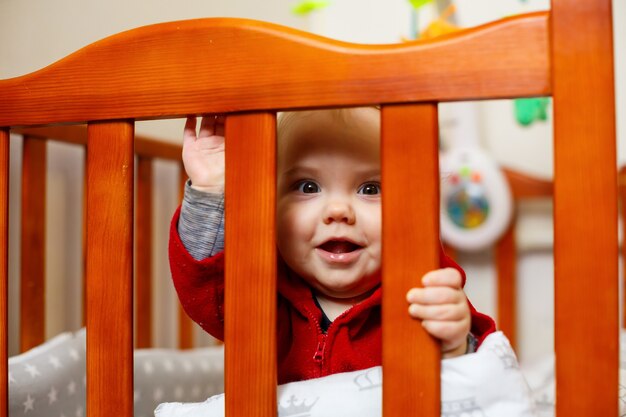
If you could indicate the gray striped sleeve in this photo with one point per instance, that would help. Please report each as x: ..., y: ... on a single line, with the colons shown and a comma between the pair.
x: 201, y: 223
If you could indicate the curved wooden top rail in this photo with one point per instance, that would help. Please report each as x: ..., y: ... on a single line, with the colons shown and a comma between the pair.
x: 144, y: 146
x: 223, y: 65
x: 526, y: 186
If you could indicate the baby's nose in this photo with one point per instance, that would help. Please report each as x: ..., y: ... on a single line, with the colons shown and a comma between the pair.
x: 337, y: 211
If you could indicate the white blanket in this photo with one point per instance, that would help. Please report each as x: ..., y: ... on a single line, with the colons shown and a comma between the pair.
x: 482, y: 384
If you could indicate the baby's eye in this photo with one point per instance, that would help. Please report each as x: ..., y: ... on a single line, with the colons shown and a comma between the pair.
x: 308, y: 187
x: 370, y: 188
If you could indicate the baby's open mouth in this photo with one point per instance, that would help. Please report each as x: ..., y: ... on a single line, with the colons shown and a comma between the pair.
x: 339, y: 246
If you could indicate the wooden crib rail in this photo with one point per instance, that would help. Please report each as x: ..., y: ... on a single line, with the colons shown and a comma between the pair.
x: 171, y: 69
x: 523, y: 187
x: 228, y: 66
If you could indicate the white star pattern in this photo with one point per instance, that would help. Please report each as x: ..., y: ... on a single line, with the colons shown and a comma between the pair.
x: 79, y: 411
x: 148, y: 368
x: 32, y: 370
x: 74, y: 354
x: 55, y: 362
x: 29, y: 404
x: 158, y: 394
x: 71, y: 388
x: 52, y: 396
x: 178, y: 392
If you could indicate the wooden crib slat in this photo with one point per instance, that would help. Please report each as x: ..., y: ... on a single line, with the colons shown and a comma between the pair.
x: 622, y: 205
x: 585, y: 211
x: 410, y: 180
x: 506, y: 264
x: 250, y: 265
x: 110, y: 269
x: 143, y: 254
x: 185, y: 325
x: 33, y: 244
x: 4, y: 271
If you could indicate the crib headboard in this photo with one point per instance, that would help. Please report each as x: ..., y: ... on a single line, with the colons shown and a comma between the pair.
x: 249, y: 70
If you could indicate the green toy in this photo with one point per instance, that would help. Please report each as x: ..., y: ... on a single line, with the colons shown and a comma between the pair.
x: 306, y: 7
x: 419, y: 3
x: 530, y: 110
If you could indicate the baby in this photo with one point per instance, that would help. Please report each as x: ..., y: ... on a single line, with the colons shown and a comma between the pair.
x: 329, y: 241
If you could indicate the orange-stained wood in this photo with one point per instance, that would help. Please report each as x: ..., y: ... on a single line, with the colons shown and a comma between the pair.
x: 185, y: 325
x: 622, y: 200
x: 33, y: 244
x: 410, y: 249
x: 524, y: 186
x: 110, y: 269
x: 143, y: 254
x: 506, y: 263
x: 77, y: 134
x: 170, y: 69
x: 585, y: 209
x: 250, y: 299
x: 4, y: 271
x: 84, y: 242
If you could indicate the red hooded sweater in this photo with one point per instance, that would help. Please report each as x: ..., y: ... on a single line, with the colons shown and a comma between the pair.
x: 352, y: 342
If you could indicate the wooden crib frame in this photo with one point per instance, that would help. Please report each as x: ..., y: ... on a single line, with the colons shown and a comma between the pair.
x: 32, y: 272
x: 248, y: 70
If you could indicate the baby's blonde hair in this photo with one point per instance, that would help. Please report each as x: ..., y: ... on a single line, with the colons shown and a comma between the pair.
x: 340, y: 115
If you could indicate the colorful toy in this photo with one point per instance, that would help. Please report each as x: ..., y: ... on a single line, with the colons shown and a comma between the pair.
x: 476, y: 202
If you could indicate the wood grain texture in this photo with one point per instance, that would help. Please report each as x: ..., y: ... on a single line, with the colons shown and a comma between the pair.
x: 622, y: 200
x: 77, y: 134
x: 506, y: 270
x: 33, y: 244
x: 196, y: 66
x: 585, y: 210
x: 110, y: 269
x: 143, y: 254
x: 4, y: 272
x: 409, y: 156
x: 250, y: 235
x: 185, y: 325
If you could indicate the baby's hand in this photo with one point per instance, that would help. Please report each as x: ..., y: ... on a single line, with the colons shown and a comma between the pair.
x: 203, y: 154
x: 442, y: 306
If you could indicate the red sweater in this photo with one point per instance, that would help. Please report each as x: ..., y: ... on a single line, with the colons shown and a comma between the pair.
x: 352, y: 342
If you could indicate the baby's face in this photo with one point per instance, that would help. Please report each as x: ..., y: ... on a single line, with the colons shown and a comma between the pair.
x: 329, y: 201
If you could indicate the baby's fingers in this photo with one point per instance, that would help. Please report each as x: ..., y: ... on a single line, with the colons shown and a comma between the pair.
x: 451, y: 333
x: 207, y: 126
x: 189, y: 133
x: 446, y: 277
x: 435, y: 295
x: 219, y: 125
x: 445, y: 312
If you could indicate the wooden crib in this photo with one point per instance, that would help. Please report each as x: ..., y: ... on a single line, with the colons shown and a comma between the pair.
x: 249, y: 70
x: 33, y: 231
